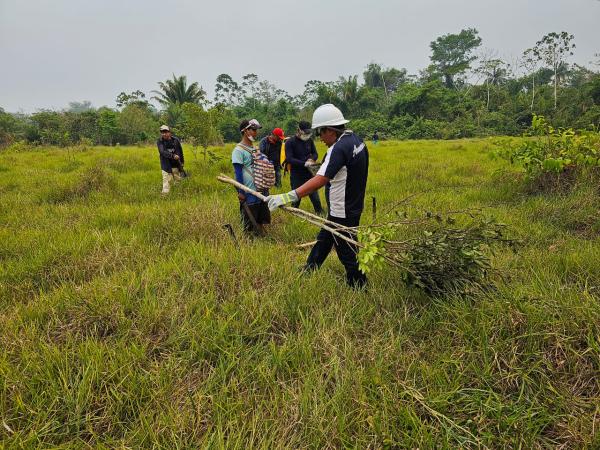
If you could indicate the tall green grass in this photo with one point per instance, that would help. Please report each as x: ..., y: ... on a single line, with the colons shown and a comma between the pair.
x: 132, y: 320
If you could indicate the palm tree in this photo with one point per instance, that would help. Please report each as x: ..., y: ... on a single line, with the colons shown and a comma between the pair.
x: 176, y: 91
x: 348, y: 93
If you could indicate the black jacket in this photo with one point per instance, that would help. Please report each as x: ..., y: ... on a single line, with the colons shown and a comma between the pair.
x: 273, y: 151
x: 297, y: 152
x: 167, y: 150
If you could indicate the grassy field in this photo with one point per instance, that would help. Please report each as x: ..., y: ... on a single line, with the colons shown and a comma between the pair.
x: 129, y: 320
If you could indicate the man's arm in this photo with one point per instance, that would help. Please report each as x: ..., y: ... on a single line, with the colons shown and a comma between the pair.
x: 275, y: 201
x: 239, y: 177
x: 180, y: 151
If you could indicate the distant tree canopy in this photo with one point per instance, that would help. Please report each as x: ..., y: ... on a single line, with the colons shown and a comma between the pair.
x: 439, y: 102
x: 452, y: 54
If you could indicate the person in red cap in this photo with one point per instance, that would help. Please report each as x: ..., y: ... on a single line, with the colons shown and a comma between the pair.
x: 271, y: 147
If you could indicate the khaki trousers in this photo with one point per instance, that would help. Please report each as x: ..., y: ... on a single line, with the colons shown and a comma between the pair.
x: 168, y: 179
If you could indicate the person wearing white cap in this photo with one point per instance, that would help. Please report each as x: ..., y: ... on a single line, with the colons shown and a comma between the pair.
x: 344, y: 174
x: 254, y: 212
x: 171, y: 158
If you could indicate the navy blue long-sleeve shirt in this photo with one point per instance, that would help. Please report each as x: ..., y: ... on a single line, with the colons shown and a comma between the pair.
x: 297, y: 152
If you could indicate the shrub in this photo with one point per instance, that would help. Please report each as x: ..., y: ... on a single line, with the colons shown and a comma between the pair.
x: 547, y: 150
x: 18, y: 147
x: 442, y: 258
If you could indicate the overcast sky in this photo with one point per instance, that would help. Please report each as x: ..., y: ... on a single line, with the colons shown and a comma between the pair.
x: 58, y: 51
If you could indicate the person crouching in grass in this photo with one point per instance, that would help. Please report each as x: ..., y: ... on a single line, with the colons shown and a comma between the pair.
x: 254, y: 212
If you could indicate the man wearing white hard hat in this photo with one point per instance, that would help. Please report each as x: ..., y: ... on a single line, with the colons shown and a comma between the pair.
x: 344, y: 174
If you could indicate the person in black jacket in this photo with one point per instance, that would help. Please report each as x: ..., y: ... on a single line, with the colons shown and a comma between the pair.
x: 300, y: 153
x: 171, y: 158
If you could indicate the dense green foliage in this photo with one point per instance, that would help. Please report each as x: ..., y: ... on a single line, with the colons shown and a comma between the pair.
x: 128, y: 320
x: 443, y: 258
x: 461, y: 94
x: 552, y: 157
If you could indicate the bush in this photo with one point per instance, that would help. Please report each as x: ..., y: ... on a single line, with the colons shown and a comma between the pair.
x: 18, y: 147
x: 554, y: 151
x: 443, y: 258
x: 367, y: 126
x: 425, y: 129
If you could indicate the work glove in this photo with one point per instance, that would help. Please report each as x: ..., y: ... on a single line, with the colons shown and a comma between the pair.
x: 275, y: 201
x: 308, y: 163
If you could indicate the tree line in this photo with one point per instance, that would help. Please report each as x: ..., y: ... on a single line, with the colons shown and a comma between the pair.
x: 466, y: 91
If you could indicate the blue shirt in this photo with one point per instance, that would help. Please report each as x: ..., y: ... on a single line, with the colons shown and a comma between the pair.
x: 346, y: 165
x: 241, y: 155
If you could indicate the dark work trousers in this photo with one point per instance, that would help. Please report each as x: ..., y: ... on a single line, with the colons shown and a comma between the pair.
x: 261, y: 214
x: 297, y: 179
x: 277, y: 175
x: 347, y: 253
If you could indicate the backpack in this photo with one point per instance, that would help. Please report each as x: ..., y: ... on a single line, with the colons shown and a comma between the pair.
x: 263, y: 172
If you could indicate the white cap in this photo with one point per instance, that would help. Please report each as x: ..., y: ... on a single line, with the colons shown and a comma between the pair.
x: 164, y: 128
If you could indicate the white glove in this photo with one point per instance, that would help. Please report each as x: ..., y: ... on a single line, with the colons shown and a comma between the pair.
x: 275, y: 201
x: 308, y: 163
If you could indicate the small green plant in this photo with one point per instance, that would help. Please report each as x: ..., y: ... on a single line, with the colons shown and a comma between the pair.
x: 372, y: 255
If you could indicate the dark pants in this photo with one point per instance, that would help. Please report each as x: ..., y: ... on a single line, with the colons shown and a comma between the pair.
x: 347, y: 253
x: 297, y: 179
x: 277, y: 174
x: 260, y: 212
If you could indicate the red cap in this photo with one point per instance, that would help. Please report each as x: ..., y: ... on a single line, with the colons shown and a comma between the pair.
x: 279, y: 133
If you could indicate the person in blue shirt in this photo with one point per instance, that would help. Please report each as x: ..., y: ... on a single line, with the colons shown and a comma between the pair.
x: 241, y: 158
x: 344, y: 174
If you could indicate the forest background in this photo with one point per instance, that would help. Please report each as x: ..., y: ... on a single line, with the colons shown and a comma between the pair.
x: 466, y: 91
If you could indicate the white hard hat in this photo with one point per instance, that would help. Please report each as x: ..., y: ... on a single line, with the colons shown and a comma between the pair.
x: 327, y: 116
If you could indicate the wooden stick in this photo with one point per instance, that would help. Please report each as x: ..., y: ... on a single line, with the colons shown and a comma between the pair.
x: 325, y: 221
x: 229, y: 228
x: 331, y: 230
x: 374, y: 209
x: 315, y: 220
x: 306, y: 244
x: 226, y: 179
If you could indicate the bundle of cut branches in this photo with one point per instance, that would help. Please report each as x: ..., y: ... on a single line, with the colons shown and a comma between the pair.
x: 431, y: 251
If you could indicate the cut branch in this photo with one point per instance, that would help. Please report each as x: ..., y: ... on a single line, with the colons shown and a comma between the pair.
x: 332, y: 227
